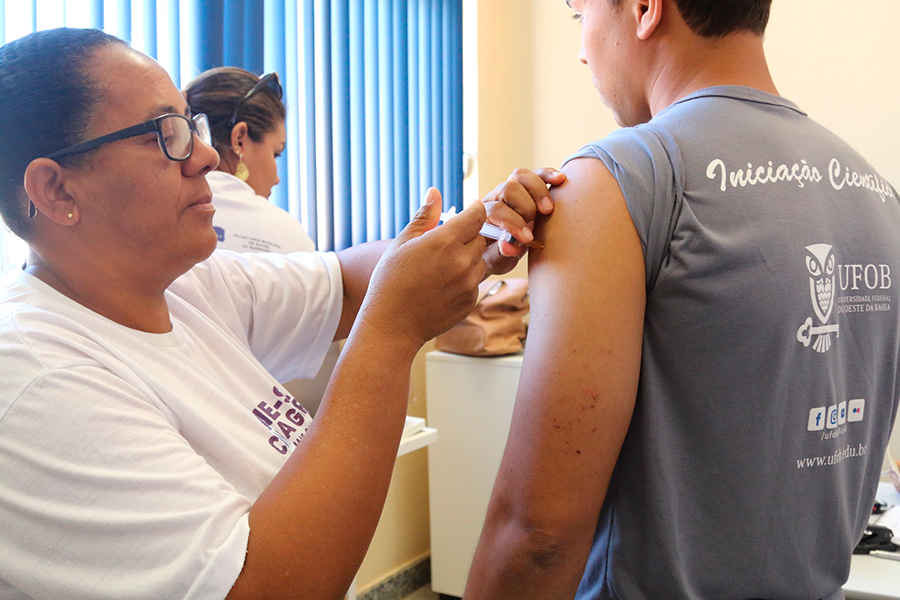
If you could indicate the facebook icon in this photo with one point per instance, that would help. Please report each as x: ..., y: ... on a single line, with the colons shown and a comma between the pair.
x: 816, y: 419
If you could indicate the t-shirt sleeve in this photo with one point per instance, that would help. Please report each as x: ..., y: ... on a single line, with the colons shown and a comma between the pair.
x: 647, y: 172
x: 134, y: 511
x: 284, y: 307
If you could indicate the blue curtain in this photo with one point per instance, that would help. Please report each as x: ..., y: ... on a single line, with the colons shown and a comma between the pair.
x: 373, y: 90
x: 378, y: 115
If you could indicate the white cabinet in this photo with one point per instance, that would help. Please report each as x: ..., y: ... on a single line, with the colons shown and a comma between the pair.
x: 470, y: 401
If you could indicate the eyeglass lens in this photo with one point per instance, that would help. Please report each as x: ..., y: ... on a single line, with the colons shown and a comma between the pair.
x: 177, y: 135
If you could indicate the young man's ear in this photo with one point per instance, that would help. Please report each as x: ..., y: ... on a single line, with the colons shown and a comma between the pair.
x: 648, y: 14
x: 45, y: 185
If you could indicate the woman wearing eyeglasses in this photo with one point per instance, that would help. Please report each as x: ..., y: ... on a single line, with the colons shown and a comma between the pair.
x: 147, y: 449
x: 246, y: 118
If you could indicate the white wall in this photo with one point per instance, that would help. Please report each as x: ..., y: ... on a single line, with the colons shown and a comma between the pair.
x: 840, y: 62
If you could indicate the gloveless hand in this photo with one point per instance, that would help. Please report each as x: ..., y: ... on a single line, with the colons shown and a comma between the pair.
x: 514, y: 205
x: 427, y: 280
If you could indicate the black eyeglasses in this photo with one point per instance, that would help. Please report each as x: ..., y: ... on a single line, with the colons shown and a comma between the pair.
x: 270, y: 81
x: 175, y: 134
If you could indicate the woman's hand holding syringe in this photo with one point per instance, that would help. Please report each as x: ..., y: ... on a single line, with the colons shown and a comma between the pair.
x: 493, y: 232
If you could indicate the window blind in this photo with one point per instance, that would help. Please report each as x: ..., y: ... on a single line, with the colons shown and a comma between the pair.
x: 373, y: 90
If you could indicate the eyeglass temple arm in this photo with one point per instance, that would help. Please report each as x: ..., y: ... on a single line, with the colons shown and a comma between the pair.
x: 106, y: 139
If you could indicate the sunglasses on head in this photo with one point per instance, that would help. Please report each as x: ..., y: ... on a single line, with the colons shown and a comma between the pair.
x: 269, y: 81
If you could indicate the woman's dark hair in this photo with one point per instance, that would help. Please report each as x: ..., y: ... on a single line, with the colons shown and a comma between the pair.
x: 46, y: 103
x: 217, y: 92
x: 718, y: 18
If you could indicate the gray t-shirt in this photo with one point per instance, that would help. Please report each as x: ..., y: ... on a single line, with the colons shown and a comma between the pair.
x: 769, y: 376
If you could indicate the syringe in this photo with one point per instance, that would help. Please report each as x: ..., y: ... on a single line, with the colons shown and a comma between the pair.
x: 497, y: 233
x: 493, y: 232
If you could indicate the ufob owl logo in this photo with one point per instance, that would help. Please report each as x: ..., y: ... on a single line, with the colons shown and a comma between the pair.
x: 820, y: 263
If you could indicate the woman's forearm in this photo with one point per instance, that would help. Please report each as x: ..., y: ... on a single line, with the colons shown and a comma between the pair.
x: 312, y: 525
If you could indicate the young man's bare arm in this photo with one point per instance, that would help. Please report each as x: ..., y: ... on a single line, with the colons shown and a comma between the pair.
x: 576, y: 393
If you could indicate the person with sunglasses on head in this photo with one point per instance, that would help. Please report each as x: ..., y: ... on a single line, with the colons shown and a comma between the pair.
x: 147, y: 449
x: 247, y: 117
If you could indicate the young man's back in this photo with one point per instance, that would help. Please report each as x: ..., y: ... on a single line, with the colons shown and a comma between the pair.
x: 712, y: 363
x: 770, y: 353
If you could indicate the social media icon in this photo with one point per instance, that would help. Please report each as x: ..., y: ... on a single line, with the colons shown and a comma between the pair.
x: 842, y: 413
x: 816, y: 419
x: 856, y: 410
x: 831, y: 417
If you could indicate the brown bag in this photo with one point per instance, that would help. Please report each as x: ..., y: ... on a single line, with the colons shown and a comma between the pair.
x: 497, y: 325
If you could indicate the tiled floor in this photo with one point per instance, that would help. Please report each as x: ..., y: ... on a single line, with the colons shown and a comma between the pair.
x: 424, y: 593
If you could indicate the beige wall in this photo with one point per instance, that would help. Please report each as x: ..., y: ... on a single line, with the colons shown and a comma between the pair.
x: 838, y: 61
x: 529, y: 102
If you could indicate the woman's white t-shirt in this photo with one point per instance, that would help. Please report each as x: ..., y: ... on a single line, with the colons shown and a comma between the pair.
x: 247, y: 222
x: 129, y: 461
